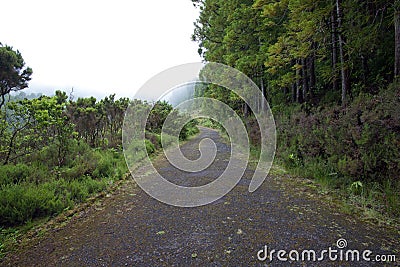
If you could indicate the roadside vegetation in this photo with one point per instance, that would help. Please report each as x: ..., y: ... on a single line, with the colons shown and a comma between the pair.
x: 329, y: 70
x: 56, y: 152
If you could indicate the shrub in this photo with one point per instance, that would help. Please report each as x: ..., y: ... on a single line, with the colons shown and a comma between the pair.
x: 149, y: 147
x: 111, y: 165
x: 168, y: 140
x: 13, y: 174
x: 74, y: 172
x: 78, y: 191
x: 22, y: 203
x: 359, y: 143
x: 94, y: 186
x: 154, y: 138
x: 188, y: 130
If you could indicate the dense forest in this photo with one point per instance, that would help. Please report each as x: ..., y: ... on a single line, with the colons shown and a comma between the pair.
x: 329, y: 71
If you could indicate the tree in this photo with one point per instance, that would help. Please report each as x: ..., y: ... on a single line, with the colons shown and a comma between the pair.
x: 344, y: 71
x: 89, y: 123
x: 113, y: 111
x: 397, y: 37
x: 14, y: 75
x: 33, y: 124
x: 307, y: 46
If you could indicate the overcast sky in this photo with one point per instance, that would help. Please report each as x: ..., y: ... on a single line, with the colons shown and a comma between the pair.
x: 98, y: 47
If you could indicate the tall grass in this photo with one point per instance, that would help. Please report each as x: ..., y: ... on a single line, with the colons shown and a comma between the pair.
x: 34, y: 191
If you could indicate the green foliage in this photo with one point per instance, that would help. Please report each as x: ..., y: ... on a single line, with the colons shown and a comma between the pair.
x: 99, y: 123
x: 167, y: 140
x: 55, y: 153
x: 210, y: 123
x: 188, y: 130
x: 157, y: 116
x: 356, y: 187
x: 359, y: 144
x: 14, y: 75
x: 149, y: 147
x: 31, y: 125
x: 26, y: 194
x: 22, y: 203
x: 155, y: 123
x: 41, y: 188
x: 14, y: 174
x: 303, y: 50
x: 111, y: 164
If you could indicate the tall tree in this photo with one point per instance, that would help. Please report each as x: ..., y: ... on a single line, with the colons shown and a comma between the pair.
x: 14, y: 75
x: 343, y: 64
x: 334, y: 50
x: 306, y: 46
x: 397, y: 37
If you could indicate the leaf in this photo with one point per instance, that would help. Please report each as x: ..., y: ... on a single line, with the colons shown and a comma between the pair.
x: 228, y: 251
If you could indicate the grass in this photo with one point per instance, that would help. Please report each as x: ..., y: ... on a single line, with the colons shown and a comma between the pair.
x: 374, y: 202
x: 32, y: 194
x: 371, y: 201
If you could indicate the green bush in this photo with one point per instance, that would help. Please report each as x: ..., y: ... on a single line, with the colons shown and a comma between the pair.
x: 134, y: 152
x: 154, y: 138
x: 13, y: 174
x: 41, y: 173
x: 22, y: 203
x: 74, y: 172
x: 168, y: 140
x: 94, y: 186
x: 111, y: 164
x: 360, y: 141
x: 188, y: 130
x: 210, y: 123
x: 78, y: 191
x: 149, y: 147
x: 46, y: 156
x: 357, y: 143
x: 29, y: 192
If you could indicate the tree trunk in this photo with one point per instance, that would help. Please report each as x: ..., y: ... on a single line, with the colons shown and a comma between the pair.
x: 304, y: 79
x: 312, y: 73
x: 294, y: 85
x: 299, y: 96
x: 294, y: 92
x: 397, y: 38
x: 2, y: 100
x: 286, y: 93
x: 263, y: 93
x: 245, y: 110
x: 343, y: 68
x: 335, y: 83
x: 365, y: 67
x: 10, y: 148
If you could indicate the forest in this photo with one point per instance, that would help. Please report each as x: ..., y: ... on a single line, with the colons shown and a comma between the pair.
x: 329, y: 70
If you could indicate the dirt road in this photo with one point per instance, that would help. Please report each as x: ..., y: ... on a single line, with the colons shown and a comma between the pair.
x: 129, y: 228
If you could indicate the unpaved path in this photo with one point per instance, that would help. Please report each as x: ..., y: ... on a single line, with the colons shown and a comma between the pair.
x: 129, y: 228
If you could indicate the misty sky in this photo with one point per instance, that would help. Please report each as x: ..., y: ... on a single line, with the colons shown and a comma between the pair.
x: 98, y: 47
